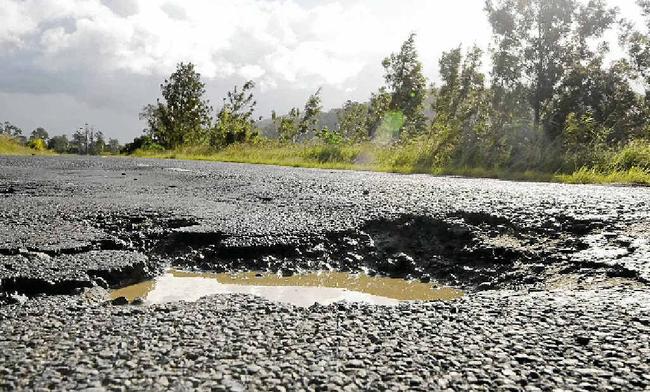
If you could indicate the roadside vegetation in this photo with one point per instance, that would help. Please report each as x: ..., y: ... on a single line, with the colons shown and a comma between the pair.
x: 85, y: 141
x: 554, y: 105
x: 11, y: 146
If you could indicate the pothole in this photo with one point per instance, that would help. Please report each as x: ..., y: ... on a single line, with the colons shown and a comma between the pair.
x: 300, y: 290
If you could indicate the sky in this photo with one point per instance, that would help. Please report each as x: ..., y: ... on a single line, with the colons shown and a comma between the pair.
x: 64, y: 63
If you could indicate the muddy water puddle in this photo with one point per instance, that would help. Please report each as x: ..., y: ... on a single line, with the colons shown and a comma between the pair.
x: 300, y: 290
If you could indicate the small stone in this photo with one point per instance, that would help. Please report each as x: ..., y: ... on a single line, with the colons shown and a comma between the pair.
x: 252, y: 369
x: 120, y: 301
x: 355, y: 363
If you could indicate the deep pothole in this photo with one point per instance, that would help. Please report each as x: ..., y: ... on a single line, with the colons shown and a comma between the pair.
x: 305, y: 289
x: 469, y: 251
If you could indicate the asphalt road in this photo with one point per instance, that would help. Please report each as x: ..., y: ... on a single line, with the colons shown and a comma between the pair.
x: 556, y: 278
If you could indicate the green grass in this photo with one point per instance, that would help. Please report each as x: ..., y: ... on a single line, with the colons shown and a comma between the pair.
x: 407, y: 159
x: 9, y: 146
x: 634, y: 176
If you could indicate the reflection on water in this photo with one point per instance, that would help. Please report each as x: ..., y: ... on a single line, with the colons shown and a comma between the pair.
x: 301, y: 290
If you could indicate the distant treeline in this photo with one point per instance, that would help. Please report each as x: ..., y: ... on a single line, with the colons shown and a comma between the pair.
x: 85, y: 141
x: 552, y: 101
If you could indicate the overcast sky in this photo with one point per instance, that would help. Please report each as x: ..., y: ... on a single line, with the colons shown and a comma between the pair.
x: 67, y: 62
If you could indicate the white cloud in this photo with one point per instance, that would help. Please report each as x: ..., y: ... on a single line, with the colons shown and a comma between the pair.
x: 14, y: 23
x: 252, y: 71
x: 328, y: 43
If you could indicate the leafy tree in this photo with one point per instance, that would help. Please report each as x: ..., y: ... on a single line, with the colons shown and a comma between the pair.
x: 10, y: 129
x: 184, y: 117
x: 447, y: 95
x: 39, y: 133
x: 353, y: 120
x: 235, y: 123
x: 60, y: 144
x: 407, y: 86
x: 113, y: 146
x: 377, y: 108
x: 462, y: 110
x: 299, y: 123
x: 79, y: 142
x: 463, y: 85
x: 87, y: 141
x: 330, y: 137
x: 97, y: 144
x: 310, y: 114
x: 604, y: 95
x: 637, y: 44
x: 584, y: 141
x: 152, y: 114
x: 537, y: 41
x: 287, y: 125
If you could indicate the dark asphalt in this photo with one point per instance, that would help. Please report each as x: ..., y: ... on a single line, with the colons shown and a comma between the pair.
x: 556, y: 278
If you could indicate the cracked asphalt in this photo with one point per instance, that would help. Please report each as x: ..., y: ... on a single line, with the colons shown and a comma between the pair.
x: 556, y: 279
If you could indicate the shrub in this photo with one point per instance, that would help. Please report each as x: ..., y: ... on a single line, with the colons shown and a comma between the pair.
x: 636, y: 154
x: 37, y: 144
x: 144, y: 142
x: 325, y: 153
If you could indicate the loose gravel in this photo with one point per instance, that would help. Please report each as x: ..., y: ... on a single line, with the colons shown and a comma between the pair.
x: 588, y: 340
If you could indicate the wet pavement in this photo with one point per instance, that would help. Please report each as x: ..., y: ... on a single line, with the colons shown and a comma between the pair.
x: 555, y: 279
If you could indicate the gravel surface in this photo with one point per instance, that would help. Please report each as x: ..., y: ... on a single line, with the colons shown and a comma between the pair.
x: 589, y: 340
x: 556, y: 279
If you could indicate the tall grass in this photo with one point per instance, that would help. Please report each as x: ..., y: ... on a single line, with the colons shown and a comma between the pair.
x: 9, y: 146
x: 630, y: 165
x: 634, y: 176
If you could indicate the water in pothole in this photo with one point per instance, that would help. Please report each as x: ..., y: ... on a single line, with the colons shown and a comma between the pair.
x: 300, y: 290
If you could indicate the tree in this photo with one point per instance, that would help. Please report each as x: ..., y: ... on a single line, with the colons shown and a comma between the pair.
x: 461, y: 109
x: 114, y: 146
x: 448, y: 94
x: 377, y: 108
x: 407, y: 86
x: 60, y: 144
x: 287, y: 125
x: 313, y: 108
x: 39, y: 133
x: 79, y: 142
x: 298, y: 123
x: 87, y: 141
x: 152, y: 114
x: 637, y: 44
x: 235, y: 122
x: 353, y: 120
x: 10, y: 129
x: 535, y: 44
x: 330, y: 137
x: 602, y: 94
x: 583, y: 141
x: 97, y: 142
x: 184, y: 117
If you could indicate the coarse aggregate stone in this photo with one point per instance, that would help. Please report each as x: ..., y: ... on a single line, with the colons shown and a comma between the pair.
x: 501, y: 340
